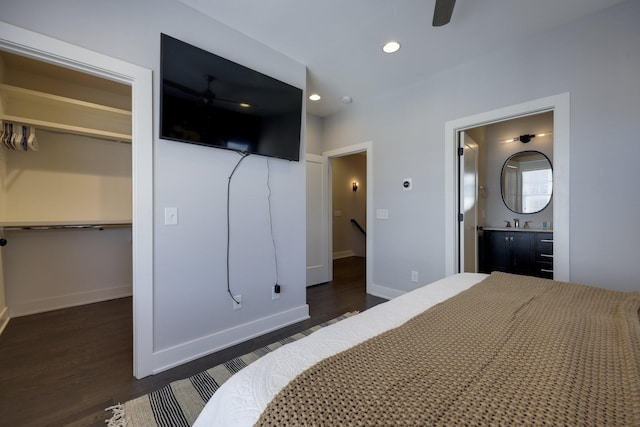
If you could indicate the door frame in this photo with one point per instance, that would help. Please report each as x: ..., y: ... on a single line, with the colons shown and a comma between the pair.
x: 462, y: 160
x: 37, y: 46
x: 560, y: 105
x: 345, y: 151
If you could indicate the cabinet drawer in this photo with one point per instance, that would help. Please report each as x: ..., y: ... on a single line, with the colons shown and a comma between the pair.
x: 544, y: 246
x: 544, y: 255
x: 545, y: 271
x: 544, y: 239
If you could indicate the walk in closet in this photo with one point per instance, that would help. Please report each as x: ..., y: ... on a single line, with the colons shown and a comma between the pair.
x: 65, y: 187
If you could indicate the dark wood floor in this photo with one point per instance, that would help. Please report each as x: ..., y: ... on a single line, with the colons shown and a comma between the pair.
x: 64, y: 367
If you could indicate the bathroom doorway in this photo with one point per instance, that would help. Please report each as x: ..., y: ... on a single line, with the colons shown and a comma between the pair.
x: 484, y: 152
x: 454, y: 227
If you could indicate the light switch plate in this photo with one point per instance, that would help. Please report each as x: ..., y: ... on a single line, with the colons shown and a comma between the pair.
x: 170, y: 216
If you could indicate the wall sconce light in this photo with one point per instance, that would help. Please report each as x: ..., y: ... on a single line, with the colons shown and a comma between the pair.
x: 522, y: 138
x: 525, y: 138
x: 355, y: 185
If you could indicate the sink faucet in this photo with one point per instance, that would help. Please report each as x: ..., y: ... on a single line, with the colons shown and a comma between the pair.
x: 516, y: 223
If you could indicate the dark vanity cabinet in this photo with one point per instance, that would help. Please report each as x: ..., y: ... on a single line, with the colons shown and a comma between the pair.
x: 544, y: 255
x: 518, y: 252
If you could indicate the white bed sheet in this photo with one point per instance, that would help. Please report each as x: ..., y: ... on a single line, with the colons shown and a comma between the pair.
x: 241, y: 399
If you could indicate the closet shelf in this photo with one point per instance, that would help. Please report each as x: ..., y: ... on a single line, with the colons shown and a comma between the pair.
x: 58, y: 113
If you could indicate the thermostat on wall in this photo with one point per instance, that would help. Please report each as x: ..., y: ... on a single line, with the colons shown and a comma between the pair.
x: 406, y: 184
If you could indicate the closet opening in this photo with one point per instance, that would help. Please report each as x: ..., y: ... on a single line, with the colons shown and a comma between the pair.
x: 65, y: 187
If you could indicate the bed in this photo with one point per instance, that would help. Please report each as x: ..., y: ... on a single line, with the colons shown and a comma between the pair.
x: 470, y: 349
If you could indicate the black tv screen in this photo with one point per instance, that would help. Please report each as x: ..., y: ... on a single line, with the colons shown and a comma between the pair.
x: 208, y: 100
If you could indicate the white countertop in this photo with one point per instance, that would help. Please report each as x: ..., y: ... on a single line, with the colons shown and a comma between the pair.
x: 531, y: 229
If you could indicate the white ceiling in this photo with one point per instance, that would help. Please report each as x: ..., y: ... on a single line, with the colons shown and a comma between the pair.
x: 340, y: 41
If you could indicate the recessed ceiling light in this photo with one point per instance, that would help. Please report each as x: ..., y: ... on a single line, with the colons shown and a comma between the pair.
x: 315, y: 97
x: 391, y: 47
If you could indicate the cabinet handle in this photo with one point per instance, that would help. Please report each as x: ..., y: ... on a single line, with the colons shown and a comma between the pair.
x: 544, y: 270
x: 546, y: 255
x: 546, y: 240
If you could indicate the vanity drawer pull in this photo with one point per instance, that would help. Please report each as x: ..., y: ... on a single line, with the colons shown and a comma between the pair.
x: 544, y: 270
x: 546, y: 240
x: 546, y: 255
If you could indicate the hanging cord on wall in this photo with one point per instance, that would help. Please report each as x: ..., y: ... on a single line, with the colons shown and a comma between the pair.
x: 244, y: 156
x: 273, y: 240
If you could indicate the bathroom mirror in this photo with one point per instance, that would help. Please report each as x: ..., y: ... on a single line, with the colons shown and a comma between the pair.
x: 527, y: 182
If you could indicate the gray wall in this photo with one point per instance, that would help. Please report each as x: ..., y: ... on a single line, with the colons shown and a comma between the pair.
x: 314, y: 134
x: 190, y: 296
x: 597, y: 60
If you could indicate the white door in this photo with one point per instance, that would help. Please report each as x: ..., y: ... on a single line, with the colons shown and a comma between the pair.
x: 318, y: 266
x: 468, y: 203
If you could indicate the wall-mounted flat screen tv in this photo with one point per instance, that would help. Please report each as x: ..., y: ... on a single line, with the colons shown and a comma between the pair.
x: 208, y: 100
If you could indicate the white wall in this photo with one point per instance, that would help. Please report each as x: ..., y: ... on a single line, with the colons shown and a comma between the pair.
x: 595, y: 59
x: 192, y: 312
x: 48, y: 270
x: 70, y: 179
x: 314, y: 134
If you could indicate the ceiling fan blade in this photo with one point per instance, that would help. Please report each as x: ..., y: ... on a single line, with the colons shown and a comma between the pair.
x: 442, y: 12
x: 182, y: 88
x: 207, y: 97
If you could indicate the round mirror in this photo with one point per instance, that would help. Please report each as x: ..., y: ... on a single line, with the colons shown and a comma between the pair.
x: 527, y: 182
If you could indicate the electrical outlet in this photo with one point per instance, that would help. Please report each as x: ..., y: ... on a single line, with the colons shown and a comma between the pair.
x: 274, y: 295
x: 414, y: 276
x: 237, y: 305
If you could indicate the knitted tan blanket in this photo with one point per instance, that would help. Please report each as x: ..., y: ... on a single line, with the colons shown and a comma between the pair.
x: 511, y: 350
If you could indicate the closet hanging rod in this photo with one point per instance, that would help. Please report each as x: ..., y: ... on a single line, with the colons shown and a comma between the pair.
x: 3, y: 239
x: 64, y: 227
x: 66, y: 133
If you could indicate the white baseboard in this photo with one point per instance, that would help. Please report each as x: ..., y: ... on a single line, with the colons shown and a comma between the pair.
x: 183, y: 353
x: 25, y: 308
x: 343, y: 254
x: 4, y: 319
x: 384, y: 292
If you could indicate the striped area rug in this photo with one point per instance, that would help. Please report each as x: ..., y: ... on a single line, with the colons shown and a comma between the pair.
x: 179, y: 403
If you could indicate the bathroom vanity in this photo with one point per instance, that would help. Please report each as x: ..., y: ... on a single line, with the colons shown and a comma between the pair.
x: 518, y: 251
x: 526, y: 184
